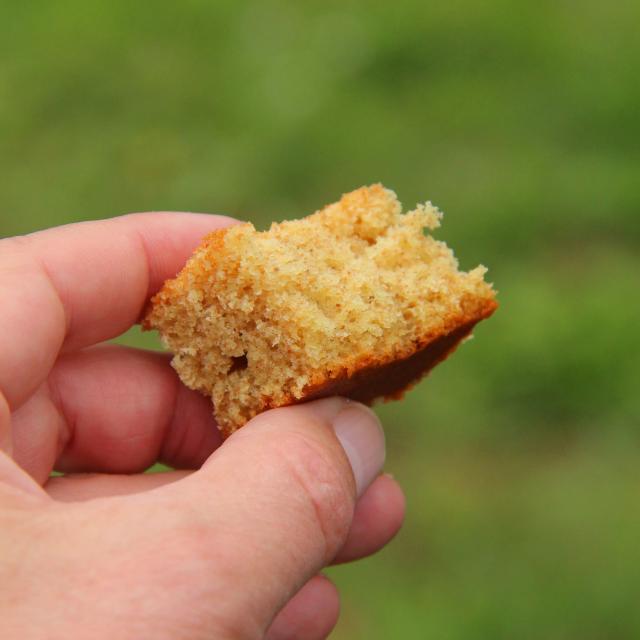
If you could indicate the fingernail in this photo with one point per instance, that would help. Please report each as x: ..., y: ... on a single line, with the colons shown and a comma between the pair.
x: 362, y: 438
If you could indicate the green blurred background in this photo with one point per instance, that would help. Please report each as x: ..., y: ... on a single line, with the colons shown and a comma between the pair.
x: 521, y: 455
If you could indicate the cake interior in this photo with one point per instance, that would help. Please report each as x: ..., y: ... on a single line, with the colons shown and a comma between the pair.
x: 258, y: 319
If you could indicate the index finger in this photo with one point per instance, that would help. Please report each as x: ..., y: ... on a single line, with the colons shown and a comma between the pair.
x: 72, y: 286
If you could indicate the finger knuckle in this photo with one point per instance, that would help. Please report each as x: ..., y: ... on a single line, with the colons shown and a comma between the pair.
x: 323, y: 486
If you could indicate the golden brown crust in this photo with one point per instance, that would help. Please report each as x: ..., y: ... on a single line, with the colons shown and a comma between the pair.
x: 374, y: 377
x: 173, y: 289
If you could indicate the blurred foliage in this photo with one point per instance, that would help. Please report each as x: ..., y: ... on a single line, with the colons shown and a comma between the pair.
x: 520, y: 455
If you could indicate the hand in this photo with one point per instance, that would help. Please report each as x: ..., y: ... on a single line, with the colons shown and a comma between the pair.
x: 231, y: 550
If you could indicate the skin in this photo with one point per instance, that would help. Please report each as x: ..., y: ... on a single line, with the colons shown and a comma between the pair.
x: 229, y: 546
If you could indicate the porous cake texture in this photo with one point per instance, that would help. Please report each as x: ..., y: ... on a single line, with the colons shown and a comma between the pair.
x: 354, y: 300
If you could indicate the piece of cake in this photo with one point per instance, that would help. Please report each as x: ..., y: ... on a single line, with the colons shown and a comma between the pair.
x: 354, y: 300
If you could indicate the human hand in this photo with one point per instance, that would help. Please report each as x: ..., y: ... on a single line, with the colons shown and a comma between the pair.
x: 231, y: 550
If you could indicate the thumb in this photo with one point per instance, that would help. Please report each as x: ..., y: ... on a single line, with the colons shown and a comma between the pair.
x: 278, y: 499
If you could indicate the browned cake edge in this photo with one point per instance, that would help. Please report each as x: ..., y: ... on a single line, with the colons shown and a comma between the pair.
x: 371, y: 378
x: 173, y: 288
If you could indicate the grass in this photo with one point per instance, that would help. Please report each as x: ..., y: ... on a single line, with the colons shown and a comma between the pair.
x: 519, y: 455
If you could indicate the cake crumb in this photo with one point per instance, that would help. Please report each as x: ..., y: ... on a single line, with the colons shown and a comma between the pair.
x: 353, y: 300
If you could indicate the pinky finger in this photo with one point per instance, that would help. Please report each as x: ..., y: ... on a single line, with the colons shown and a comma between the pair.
x: 311, y: 614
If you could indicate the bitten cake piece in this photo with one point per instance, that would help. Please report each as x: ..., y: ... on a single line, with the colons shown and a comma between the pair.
x: 354, y: 300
